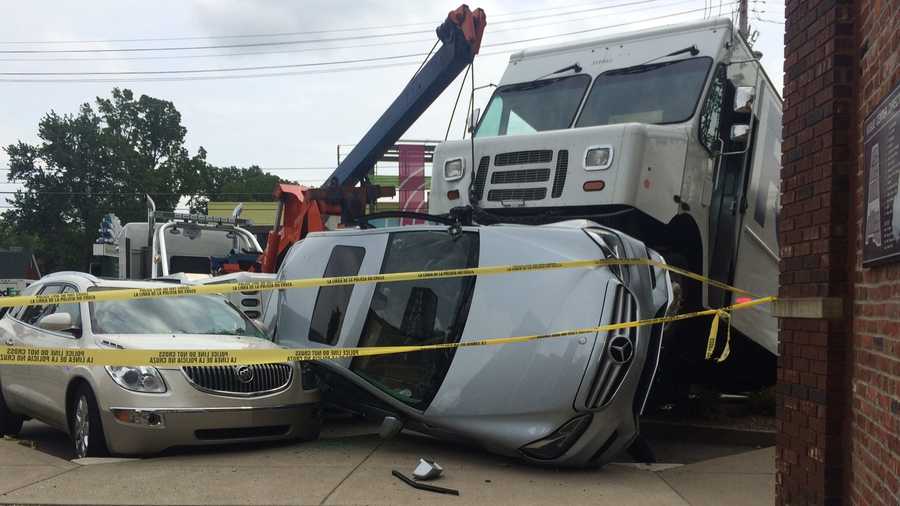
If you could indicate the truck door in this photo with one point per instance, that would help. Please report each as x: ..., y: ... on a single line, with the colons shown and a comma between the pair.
x: 732, y: 162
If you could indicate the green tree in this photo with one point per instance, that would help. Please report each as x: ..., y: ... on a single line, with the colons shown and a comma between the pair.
x: 100, y: 160
x: 233, y: 184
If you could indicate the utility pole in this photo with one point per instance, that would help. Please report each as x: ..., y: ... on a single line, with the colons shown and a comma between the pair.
x: 743, y: 27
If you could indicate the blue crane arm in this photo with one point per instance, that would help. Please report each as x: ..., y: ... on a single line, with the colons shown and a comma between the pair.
x: 455, y: 54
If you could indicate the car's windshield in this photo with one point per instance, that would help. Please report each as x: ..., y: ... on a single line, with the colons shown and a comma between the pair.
x: 195, y: 314
x: 655, y: 94
x: 531, y: 107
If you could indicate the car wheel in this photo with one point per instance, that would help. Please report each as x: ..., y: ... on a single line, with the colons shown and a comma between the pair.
x: 10, y: 423
x: 85, y: 425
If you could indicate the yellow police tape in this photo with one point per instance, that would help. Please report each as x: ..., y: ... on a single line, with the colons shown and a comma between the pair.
x: 181, y: 358
x: 12, y: 355
x: 182, y: 290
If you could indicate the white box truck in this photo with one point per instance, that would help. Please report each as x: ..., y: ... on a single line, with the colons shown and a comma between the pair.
x: 672, y: 135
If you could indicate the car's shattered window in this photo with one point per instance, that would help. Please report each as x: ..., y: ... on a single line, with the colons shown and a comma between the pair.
x: 418, y: 312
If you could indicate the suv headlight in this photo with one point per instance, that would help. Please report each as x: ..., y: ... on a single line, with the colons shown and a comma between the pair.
x: 454, y: 169
x: 598, y: 158
x: 138, y: 379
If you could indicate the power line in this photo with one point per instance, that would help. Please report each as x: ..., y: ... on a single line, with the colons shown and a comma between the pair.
x: 284, y: 42
x: 284, y: 34
x: 323, y: 71
x: 324, y: 48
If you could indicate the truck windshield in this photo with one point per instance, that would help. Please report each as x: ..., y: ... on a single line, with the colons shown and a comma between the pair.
x: 525, y: 108
x: 195, y: 314
x: 658, y: 93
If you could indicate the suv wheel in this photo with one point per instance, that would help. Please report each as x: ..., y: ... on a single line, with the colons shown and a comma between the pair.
x: 85, y: 425
x: 10, y: 423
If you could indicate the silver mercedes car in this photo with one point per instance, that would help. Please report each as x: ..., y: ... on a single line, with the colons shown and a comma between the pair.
x: 567, y: 401
x: 138, y: 410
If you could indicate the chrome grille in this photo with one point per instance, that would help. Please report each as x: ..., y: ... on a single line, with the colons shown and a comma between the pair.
x: 227, y: 379
x: 517, y: 194
x: 520, y: 176
x: 612, y: 369
x: 559, y: 178
x: 523, y: 157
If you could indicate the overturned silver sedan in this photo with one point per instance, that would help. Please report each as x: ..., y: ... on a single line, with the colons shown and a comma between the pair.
x: 568, y: 401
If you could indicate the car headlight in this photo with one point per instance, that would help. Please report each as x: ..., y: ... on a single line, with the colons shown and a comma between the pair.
x: 554, y: 445
x: 138, y: 379
x: 598, y: 158
x: 454, y: 169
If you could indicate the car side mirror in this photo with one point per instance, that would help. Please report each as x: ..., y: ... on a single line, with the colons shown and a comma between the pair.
x: 57, y: 322
x: 740, y: 133
x: 743, y: 98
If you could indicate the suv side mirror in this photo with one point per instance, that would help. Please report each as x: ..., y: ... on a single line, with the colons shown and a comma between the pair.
x: 743, y: 98
x: 57, y: 322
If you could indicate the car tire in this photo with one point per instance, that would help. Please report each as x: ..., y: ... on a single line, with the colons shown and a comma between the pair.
x: 10, y: 423
x: 85, y: 427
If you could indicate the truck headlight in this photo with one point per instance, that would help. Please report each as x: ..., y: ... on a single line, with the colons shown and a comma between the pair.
x: 454, y: 169
x: 598, y: 158
x: 138, y: 379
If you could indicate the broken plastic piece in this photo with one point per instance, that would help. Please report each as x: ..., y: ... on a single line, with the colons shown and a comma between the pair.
x: 423, y: 486
x: 390, y: 427
x: 427, y: 470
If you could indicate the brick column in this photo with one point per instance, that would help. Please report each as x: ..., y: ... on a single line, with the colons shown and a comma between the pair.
x: 817, y: 160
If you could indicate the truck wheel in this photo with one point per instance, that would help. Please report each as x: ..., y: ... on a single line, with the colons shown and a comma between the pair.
x: 85, y: 426
x: 10, y: 423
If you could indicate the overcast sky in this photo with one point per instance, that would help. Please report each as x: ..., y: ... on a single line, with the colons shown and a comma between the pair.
x: 295, y: 119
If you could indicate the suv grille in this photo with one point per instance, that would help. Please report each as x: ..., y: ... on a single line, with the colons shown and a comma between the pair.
x: 523, y: 157
x: 518, y: 194
x: 520, y: 176
x: 227, y: 379
x: 618, y: 352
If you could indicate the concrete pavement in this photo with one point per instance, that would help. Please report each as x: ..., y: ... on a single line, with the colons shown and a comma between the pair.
x: 349, y: 465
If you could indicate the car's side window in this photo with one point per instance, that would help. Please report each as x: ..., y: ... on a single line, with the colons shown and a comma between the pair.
x: 332, y: 301
x: 418, y: 312
x: 34, y: 313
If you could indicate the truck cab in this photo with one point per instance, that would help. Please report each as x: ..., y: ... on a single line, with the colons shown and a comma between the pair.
x: 672, y: 135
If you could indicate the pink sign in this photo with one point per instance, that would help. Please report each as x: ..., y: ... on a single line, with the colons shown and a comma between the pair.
x: 412, y: 181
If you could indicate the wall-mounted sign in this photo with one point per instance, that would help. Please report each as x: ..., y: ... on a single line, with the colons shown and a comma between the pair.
x: 881, y: 144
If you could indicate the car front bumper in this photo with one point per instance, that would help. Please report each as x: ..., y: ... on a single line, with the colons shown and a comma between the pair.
x: 204, y: 426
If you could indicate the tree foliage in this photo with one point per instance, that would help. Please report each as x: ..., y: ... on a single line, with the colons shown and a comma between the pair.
x: 105, y: 159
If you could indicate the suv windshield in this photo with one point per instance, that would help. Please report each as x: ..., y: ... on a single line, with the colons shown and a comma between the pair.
x: 535, y: 106
x: 195, y: 314
x: 658, y: 93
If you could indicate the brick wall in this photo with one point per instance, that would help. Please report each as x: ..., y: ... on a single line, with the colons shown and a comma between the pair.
x: 874, y: 460
x: 818, y: 159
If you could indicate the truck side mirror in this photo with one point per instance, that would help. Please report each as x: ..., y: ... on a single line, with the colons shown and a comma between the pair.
x: 740, y: 133
x: 473, y: 120
x: 743, y: 98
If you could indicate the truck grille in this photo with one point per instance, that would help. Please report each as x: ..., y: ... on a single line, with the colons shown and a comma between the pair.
x: 523, y: 157
x: 520, y: 176
x: 559, y: 178
x: 480, y: 177
x: 517, y: 194
x: 242, y: 380
x: 618, y: 352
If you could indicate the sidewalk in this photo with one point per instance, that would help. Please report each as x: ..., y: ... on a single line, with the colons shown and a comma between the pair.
x: 356, y: 469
